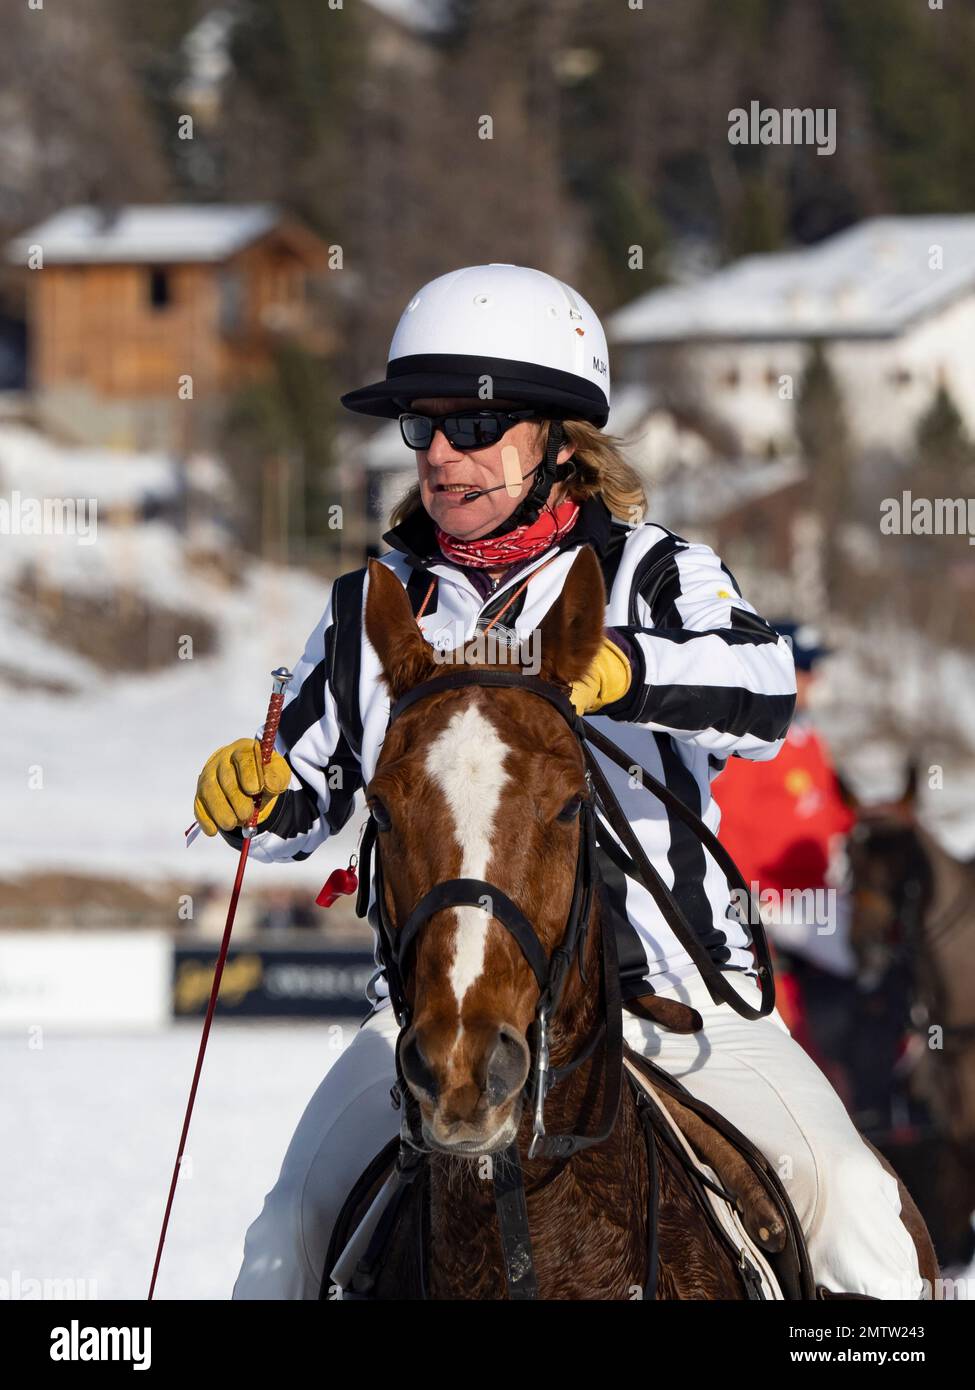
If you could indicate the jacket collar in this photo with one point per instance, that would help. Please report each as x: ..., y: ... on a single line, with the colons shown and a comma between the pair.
x: 416, y: 538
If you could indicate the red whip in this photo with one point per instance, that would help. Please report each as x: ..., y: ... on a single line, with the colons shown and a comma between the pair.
x: 281, y: 678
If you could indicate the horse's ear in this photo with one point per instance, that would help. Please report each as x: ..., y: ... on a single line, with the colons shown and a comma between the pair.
x: 571, y: 632
x: 405, y: 655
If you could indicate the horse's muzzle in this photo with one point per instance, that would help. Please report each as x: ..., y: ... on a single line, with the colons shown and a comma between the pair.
x: 468, y: 1084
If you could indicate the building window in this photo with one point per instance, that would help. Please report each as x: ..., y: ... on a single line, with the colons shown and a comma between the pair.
x: 231, y: 292
x: 730, y: 379
x: 159, y: 290
x: 901, y: 377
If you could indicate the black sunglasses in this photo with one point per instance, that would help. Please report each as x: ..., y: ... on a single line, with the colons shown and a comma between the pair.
x: 472, y: 429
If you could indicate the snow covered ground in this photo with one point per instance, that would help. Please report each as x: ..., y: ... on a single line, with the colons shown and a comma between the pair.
x: 85, y: 1166
x: 119, y: 756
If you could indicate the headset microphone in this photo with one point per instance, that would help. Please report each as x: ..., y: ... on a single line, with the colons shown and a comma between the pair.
x: 482, y: 492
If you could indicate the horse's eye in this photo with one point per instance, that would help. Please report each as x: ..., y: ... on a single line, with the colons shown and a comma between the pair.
x: 571, y: 809
x: 380, y: 815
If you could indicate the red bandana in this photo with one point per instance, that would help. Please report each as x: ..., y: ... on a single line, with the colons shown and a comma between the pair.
x: 523, y: 543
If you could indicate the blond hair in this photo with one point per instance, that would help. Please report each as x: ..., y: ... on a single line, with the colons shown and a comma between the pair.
x: 600, y: 471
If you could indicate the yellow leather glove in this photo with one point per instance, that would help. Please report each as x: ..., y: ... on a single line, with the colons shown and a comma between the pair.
x: 230, y: 780
x: 607, y: 679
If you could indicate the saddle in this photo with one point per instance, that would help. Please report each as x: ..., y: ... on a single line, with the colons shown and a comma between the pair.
x: 736, y: 1187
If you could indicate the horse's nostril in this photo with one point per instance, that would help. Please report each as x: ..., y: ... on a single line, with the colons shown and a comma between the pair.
x: 416, y: 1068
x: 507, y: 1066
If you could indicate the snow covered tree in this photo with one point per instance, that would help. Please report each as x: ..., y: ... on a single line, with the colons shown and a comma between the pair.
x: 825, y: 447
x: 945, y: 453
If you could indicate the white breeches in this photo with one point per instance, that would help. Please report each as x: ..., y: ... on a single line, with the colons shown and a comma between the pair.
x: 753, y: 1072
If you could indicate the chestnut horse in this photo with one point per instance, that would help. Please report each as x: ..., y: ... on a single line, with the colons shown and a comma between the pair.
x: 490, y: 785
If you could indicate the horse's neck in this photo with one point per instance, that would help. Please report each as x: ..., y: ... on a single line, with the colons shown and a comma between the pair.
x: 949, y: 923
x: 949, y: 876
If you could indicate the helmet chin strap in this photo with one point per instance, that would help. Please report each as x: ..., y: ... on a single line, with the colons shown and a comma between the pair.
x: 547, y: 472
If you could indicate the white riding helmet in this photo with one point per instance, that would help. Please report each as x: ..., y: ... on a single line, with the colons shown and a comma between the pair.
x: 535, y: 338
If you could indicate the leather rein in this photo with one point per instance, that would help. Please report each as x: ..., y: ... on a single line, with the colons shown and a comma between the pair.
x: 551, y: 972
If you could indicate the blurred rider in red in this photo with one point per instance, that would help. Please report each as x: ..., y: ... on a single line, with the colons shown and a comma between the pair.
x: 785, y: 823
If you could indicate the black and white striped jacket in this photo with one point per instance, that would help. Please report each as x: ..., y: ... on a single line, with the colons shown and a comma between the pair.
x: 711, y: 680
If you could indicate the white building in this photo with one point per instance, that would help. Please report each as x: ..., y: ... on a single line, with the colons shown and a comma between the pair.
x: 892, y: 300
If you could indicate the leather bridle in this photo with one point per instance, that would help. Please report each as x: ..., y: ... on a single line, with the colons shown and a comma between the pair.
x: 551, y: 972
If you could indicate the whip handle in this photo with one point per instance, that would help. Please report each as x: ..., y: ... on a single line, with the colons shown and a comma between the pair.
x: 272, y: 719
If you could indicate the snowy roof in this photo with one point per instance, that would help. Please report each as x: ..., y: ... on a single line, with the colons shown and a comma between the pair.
x: 871, y: 280
x: 631, y: 403
x: 40, y: 467
x: 167, y: 232
x: 423, y: 16
x: 699, y: 496
x: 383, y: 451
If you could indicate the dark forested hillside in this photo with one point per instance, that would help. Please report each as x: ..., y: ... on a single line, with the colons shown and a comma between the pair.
x: 557, y: 134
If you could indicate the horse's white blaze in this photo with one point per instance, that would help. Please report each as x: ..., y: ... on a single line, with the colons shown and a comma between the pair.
x: 467, y: 763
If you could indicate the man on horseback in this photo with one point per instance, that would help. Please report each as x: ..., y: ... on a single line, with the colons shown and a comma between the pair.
x: 500, y: 378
